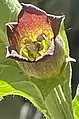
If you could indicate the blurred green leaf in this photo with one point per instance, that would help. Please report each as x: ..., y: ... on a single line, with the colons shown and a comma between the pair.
x: 64, y: 38
x: 75, y: 104
x: 8, y: 12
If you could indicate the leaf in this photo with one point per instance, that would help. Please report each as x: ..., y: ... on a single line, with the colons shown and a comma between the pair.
x: 64, y: 38
x: 19, y: 82
x: 75, y: 104
x: 6, y: 89
x: 9, y: 10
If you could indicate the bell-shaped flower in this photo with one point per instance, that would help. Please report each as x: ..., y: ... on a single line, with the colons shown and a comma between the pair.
x: 35, y: 41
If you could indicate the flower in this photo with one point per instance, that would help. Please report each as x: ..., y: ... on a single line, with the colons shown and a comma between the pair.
x: 35, y: 41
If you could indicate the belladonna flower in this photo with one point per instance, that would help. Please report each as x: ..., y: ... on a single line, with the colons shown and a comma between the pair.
x: 35, y: 41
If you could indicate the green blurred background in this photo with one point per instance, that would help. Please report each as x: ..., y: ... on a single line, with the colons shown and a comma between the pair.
x: 14, y: 107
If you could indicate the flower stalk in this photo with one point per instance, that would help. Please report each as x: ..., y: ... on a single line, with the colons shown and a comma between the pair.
x: 60, y: 107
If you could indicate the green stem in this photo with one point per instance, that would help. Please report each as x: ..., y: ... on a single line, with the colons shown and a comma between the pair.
x: 58, y: 105
x: 64, y: 104
x: 66, y: 87
x: 53, y: 106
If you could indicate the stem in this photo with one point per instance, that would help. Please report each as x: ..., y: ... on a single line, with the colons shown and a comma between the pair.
x: 58, y: 105
x: 63, y: 102
x: 52, y: 103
